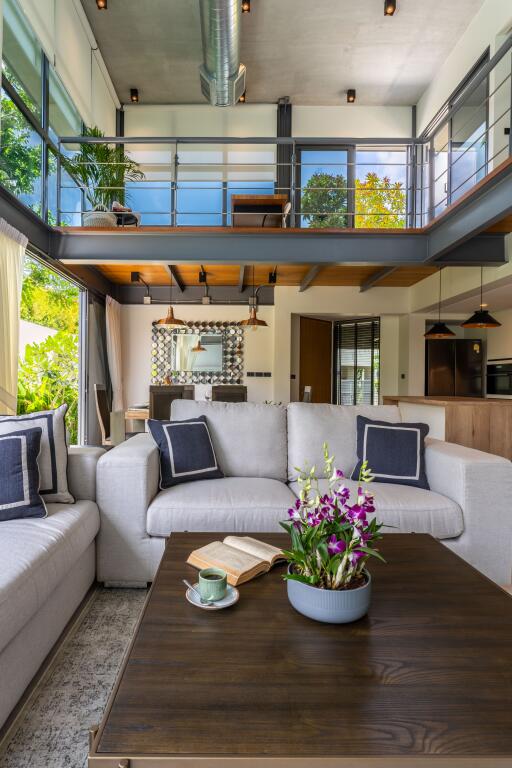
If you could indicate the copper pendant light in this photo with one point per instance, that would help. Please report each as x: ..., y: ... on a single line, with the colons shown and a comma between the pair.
x: 169, y: 320
x: 198, y: 347
x: 439, y: 330
x: 253, y: 320
x: 481, y: 318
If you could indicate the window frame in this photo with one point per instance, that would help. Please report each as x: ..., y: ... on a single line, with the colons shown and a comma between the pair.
x: 375, y: 347
x: 351, y: 150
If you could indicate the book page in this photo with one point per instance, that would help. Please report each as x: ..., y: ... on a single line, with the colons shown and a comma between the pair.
x: 219, y: 555
x: 259, y: 549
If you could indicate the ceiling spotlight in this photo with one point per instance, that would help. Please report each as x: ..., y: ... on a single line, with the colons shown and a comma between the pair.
x: 351, y: 95
x: 389, y: 7
x: 246, y: 6
x: 243, y: 97
x: 134, y: 95
x: 102, y: 5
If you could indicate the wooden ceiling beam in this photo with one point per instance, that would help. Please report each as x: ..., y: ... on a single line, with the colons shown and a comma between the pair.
x: 374, y: 279
x: 241, y: 279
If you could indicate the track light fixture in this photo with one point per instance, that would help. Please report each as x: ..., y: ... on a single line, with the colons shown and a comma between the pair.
x: 101, y: 5
x: 389, y: 7
x: 246, y: 6
x: 481, y: 318
x: 243, y: 97
x: 134, y: 95
x: 439, y: 330
x: 136, y: 278
x: 351, y: 95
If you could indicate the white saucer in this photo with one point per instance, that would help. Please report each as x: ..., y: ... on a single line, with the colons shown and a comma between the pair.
x: 230, y: 598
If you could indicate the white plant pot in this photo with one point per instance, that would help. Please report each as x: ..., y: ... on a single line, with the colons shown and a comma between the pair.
x: 102, y: 219
x: 333, y: 606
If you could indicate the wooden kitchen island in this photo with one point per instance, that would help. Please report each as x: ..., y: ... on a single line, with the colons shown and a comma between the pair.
x: 485, y: 424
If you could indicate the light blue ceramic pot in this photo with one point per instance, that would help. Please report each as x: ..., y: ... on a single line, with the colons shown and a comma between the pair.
x: 333, y: 606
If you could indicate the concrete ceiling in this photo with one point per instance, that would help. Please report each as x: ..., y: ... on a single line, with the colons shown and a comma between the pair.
x: 310, y: 51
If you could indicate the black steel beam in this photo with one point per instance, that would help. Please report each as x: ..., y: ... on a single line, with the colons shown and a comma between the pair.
x: 219, y: 294
x: 173, y: 274
x: 241, y: 279
x: 26, y: 221
x: 374, y: 279
x: 310, y: 276
x: 487, y: 249
x: 486, y: 206
x: 265, y: 246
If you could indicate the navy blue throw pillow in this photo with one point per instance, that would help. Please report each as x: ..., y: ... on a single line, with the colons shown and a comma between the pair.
x: 395, y: 452
x: 186, y: 451
x: 19, y: 475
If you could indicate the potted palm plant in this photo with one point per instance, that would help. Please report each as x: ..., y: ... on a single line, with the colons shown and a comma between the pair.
x: 101, y: 170
x: 332, y: 541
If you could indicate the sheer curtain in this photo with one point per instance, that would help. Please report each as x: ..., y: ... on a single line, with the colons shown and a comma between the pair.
x: 12, y: 257
x: 113, y: 323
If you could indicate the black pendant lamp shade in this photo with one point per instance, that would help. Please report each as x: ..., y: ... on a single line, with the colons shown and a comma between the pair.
x: 439, y: 330
x: 481, y: 318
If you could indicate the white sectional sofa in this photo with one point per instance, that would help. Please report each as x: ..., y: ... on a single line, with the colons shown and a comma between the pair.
x: 258, y: 447
x: 46, y: 567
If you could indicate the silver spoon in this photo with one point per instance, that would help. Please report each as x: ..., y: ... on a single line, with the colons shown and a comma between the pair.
x: 203, y: 602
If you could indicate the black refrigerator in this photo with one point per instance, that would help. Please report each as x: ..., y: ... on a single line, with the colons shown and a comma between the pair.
x: 454, y: 367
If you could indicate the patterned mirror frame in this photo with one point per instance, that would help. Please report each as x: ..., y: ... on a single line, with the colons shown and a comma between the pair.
x: 163, y: 341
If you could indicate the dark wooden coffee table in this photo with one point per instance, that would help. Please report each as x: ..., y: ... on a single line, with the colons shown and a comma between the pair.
x: 424, y: 680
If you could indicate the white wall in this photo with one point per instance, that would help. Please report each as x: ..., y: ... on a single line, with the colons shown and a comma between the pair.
x: 200, y: 120
x: 493, y: 19
x: 352, y: 121
x: 136, y: 346
x: 32, y: 333
x: 499, y: 340
x: 68, y: 41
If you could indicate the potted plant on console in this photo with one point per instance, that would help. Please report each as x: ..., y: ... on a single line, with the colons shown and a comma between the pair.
x: 332, y: 541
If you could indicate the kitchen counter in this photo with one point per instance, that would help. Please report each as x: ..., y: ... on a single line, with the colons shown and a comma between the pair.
x: 476, y: 422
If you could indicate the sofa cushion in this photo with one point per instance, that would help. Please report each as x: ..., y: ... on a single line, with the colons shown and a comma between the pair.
x: 186, y: 451
x: 249, y: 438
x: 53, y: 458
x: 36, y: 555
x: 238, y: 504
x: 408, y: 509
x: 312, y: 424
x: 395, y: 453
x: 19, y: 475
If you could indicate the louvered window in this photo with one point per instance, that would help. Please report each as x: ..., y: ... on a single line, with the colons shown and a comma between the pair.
x: 356, y: 362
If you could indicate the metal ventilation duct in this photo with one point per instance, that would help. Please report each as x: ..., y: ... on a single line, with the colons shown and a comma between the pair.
x: 222, y: 75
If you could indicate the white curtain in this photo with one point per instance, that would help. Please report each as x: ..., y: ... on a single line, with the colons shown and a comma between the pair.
x: 12, y: 257
x: 113, y: 322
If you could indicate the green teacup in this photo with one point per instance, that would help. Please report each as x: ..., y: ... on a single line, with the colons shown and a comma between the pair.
x: 213, y: 583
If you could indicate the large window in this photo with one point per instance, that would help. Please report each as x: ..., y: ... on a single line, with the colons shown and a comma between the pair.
x: 49, y: 347
x: 356, y: 362
x: 325, y: 185
x: 35, y: 110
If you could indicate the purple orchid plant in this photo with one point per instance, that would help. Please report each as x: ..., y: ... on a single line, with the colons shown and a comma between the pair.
x: 331, y: 538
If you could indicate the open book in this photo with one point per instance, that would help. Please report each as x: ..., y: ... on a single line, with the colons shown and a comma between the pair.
x: 242, y: 557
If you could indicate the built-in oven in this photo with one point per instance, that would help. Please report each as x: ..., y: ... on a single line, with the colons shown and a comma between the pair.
x: 499, y: 378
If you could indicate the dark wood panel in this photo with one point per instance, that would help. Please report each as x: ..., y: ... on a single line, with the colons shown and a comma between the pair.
x: 315, y: 365
x: 427, y: 674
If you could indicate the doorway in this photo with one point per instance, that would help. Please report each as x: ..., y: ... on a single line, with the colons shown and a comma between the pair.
x: 315, y: 368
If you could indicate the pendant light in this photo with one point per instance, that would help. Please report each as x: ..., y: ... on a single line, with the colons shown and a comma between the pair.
x: 198, y: 347
x: 253, y: 320
x: 169, y: 320
x: 481, y: 318
x: 439, y: 330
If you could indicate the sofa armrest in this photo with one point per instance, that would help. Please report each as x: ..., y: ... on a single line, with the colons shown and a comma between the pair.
x: 82, y: 463
x: 481, y: 484
x: 127, y: 481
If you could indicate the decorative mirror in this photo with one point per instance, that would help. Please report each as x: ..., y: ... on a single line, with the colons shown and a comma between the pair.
x: 198, y: 353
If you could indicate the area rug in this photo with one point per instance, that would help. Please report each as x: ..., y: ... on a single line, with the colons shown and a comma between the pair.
x: 52, y: 731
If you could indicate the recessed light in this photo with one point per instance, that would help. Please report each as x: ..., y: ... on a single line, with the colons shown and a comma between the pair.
x: 102, y: 5
x: 246, y: 6
x: 243, y: 98
x: 389, y: 7
x: 134, y: 95
x: 351, y: 95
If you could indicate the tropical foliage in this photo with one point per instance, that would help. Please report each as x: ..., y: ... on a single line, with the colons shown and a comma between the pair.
x: 324, y: 200
x: 48, y: 374
x: 102, y: 170
x: 331, y: 539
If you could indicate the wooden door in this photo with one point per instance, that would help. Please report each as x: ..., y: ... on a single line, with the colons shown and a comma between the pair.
x: 316, y: 359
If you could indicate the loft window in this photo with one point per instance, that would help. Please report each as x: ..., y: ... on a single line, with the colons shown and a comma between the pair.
x: 356, y: 369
